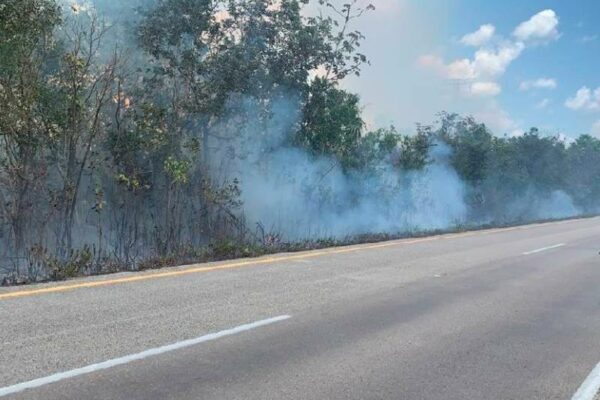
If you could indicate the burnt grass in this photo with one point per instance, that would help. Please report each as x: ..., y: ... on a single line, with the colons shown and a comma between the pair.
x: 82, y: 263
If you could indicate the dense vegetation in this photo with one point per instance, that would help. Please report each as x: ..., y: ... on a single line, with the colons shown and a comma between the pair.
x: 133, y: 146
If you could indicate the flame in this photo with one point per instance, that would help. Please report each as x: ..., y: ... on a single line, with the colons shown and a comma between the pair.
x: 125, y: 101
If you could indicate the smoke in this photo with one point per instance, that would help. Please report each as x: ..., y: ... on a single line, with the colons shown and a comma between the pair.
x: 535, y: 206
x: 290, y: 192
x: 120, y: 18
x: 284, y: 190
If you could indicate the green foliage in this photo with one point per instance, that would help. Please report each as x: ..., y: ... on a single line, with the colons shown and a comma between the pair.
x: 178, y: 170
x: 76, y: 263
x: 251, y: 48
x: 26, y: 56
x: 92, y: 139
x: 27, y: 26
x: 502, y: 170
x: 372, y: 150
x: 344, y: 58
x: 27, y: 109
x: 414, y: 150
x: 136, y: 143
x: 332, y: 123
x: 541, y: 159
x: 583, y: 175
x: 471, y: 143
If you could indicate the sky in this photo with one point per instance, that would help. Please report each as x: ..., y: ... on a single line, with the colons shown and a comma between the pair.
x: 511, y: 64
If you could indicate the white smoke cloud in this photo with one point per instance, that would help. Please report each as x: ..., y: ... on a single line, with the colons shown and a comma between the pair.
x: 537, y: 206
x: 288, y: 191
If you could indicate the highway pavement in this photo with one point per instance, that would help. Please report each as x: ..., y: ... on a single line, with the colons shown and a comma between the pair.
x: 496, y: 314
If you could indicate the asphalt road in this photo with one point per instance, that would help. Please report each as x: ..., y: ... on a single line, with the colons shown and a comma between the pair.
x: 499, y: 314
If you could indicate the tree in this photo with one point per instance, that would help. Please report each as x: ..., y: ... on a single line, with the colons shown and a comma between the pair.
x: 332, y: 124
x: 211, y: 58
x: 248, y: 48
x: 583, y: 173
x: 27, y: 63
x: 543, y: 159
x: 471, y: 144
x: 85, y: 87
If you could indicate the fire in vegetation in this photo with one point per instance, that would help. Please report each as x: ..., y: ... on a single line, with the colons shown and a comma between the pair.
x: 148, y: 133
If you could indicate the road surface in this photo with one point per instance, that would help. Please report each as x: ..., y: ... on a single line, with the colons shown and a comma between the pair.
x: 498, y: 314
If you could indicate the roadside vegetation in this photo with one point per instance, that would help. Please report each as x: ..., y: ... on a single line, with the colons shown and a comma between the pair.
x: 129, y: 145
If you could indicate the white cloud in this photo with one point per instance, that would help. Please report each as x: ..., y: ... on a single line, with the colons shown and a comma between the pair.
x: 487, y: 64
x: 541, y: 27
x: 541, y: 83
x: 585, y: 99
x: 588, y: 38
x: 497, y: 119
x: 461, y: 69
x: 543, y: 104
x: 493, y: 63
x: 433, y: 62
x: 485, y: 89
x: 596, y: 129
x: 480, y: 36
x: 478, y: 76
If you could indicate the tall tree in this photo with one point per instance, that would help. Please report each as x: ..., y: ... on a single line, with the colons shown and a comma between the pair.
x: 27, y: 63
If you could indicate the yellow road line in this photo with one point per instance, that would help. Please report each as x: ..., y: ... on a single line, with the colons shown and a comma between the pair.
x: 241, y: 264
x: 195, y: 270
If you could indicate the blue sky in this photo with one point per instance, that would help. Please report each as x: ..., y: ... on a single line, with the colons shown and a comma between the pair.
x: 512, y: 64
